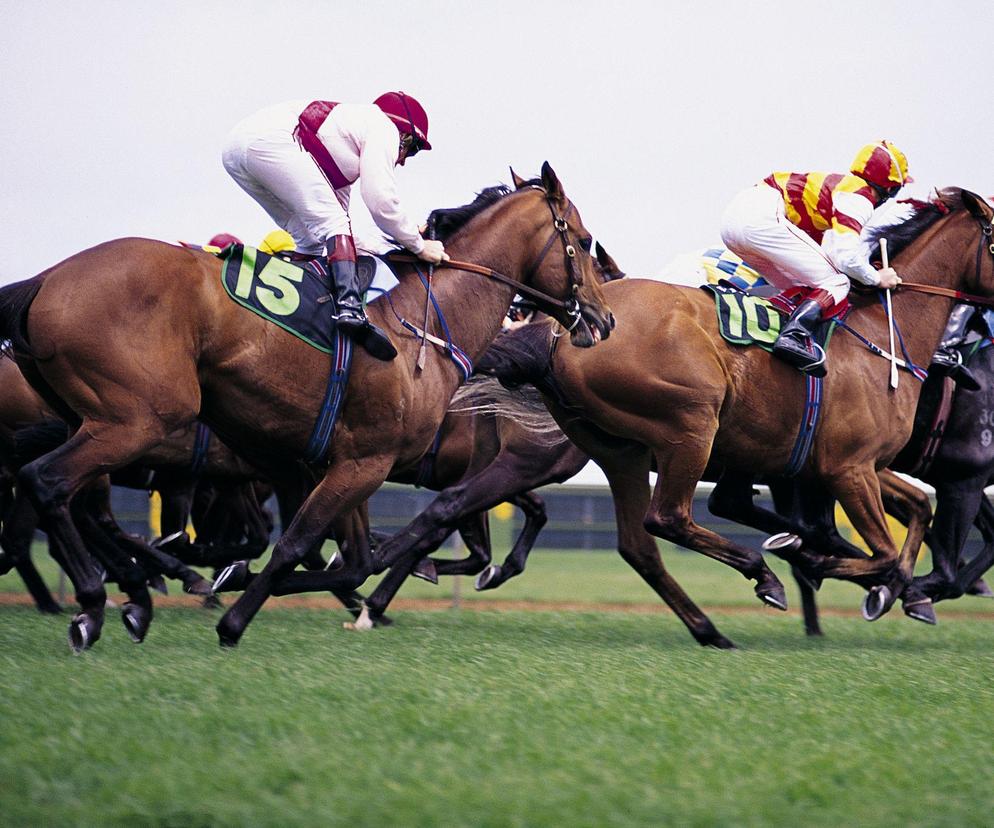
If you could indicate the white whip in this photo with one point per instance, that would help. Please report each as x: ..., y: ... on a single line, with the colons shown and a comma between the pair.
x: 890, y: 317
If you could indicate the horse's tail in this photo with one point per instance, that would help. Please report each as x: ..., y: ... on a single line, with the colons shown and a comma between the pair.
x: 486, y: 396
x: 15, y: 300
x: 33, y: 441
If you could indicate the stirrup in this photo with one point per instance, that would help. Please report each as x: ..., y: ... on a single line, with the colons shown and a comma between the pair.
x: 809, y: 361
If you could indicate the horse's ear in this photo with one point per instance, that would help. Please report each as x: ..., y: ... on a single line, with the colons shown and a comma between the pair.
x: 519, y: 182
x: 608, y: 265
x: 977, y: 206
x: 551, y: 183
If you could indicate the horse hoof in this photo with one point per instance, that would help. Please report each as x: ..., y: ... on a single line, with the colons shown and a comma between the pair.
x: 335, y: 562
x: 227, y: 637
x: 773, y: 594
x: 781, y: 541
x: 776, y: 601
x: 50, y: 609
x: 158, y: 583
x: 201, y: 586
x: 232, y: 578
x: 83, y: 632
x: 164, y: 542
x: 485, y: 580
x: 922, y: 611
x: 362, y: 623
x: 211, y: 602
x: 980, y: 589
x: 718, y: 642
x: 876, y: 602
x: 426, y: 571
x: 136, y: 620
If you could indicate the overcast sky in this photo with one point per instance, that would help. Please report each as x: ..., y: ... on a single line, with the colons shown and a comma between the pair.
x: 654, y: 114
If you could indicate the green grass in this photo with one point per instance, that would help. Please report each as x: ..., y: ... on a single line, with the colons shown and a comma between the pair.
x: 495, y: 718
x: 504, y: 717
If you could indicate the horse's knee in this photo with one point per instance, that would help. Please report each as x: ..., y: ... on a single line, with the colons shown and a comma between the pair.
x: 670, y: 526
x: 47, y: 495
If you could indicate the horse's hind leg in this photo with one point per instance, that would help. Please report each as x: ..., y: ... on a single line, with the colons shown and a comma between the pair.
x: 53, y: 480
x: 970, y: 574
x: 533, y: 508
x: 20, y: 522
x: 477, y: 546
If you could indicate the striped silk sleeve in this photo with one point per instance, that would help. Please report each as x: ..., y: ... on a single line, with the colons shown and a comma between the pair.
x: 841, y: 242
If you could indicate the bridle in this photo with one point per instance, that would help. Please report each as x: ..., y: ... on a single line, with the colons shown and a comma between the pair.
x: 543, y: 300
x: 986, y: 239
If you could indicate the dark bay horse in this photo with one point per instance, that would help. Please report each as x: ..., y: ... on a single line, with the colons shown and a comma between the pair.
x: 134, y: 339
x: 668, y: 392
x: 961, y: 469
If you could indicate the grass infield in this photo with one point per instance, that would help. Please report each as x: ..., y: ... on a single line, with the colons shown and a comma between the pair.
x: 504, y: 717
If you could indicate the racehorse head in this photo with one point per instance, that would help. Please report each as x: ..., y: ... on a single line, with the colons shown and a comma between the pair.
x: 560, y: 260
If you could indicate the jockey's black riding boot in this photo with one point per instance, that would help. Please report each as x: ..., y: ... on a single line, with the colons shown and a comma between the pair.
x: 796, y: 345
x: 351, y: 315
x: 947, y: 359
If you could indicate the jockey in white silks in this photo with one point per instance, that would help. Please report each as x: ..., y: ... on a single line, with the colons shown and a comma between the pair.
x: 299, y: 160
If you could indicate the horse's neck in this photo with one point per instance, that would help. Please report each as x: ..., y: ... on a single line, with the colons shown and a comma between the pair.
x: 922, y: 317
x: 920, y: 320
x: 472, y: 304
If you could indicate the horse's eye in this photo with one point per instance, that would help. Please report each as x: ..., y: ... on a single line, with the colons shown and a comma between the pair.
x: 586, y: 243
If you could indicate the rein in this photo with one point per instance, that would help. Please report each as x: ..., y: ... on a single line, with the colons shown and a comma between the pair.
x: 544, y: 301
x: 986, y: 235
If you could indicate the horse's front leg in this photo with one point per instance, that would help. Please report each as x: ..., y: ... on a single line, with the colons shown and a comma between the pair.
x: 345, y: 486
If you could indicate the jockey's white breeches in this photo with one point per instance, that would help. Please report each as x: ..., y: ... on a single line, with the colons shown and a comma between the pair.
x: 754, y: 227
x: 286, y: 182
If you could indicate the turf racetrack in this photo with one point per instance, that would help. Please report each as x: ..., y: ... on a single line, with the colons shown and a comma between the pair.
x: 504, y: 717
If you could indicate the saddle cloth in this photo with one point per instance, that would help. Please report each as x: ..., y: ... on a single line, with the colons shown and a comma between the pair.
x: 294, y: 294
x: 746, y: 318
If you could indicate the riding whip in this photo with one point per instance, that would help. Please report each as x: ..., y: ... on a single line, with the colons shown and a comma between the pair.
x: 420, y: 364
x: 890, y: 317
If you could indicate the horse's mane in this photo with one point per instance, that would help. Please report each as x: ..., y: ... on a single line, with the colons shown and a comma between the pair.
x: 449, y: 220
x: 926, y: 213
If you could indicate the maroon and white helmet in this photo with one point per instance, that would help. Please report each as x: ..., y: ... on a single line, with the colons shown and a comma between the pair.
x: 407, y: 114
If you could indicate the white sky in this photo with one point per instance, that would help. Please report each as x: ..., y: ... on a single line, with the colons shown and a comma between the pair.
x: 654, y: 114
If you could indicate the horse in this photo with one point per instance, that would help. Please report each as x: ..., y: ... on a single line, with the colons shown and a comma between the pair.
x: 478, y: 459
x: 668, y: 393
x: 962, y: 467
x: 259, y: 387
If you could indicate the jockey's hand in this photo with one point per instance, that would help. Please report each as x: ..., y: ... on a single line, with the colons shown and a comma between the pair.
x: 888, y: 278
x: 433, y: 252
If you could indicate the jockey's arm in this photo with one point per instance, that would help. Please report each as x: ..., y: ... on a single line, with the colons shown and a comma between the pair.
x: 378, y: 186
x: 841, y: 241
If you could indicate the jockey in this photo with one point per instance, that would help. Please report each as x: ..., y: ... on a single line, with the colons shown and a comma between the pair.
x: 299, y: 160
x: 804, y: 229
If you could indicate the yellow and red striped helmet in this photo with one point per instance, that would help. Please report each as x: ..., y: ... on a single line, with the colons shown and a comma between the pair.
x: 882, y: 164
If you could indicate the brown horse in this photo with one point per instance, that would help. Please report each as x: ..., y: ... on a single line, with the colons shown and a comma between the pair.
x: 668, y: 391
x: 133, y: 339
